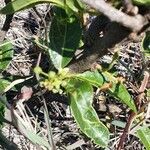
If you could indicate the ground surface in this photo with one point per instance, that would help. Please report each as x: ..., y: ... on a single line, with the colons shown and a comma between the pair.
x: 66, y: 134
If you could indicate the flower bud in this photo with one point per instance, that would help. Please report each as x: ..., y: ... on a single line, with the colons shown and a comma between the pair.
x: 54, y: 91
x: 64, y: 71
x: 63, y: 83
x: 38, y: 70
x: 51, y: 74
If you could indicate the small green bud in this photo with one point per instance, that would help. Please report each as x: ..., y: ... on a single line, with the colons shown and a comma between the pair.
x: 63, y: 72
x: 45, y: 84
x: 57, y: 86
x: 63, y: 83
x: 38, y: 70
x: 54, y: 91
x: 60, y: 91
x: 42, y: 83
x: 59, y: 71
x: 51, y: 74
x: 66, y: 70
x: 56, y: 82
x: 50, y: 87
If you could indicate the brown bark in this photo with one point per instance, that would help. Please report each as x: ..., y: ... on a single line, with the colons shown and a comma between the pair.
x: 114, y: 34
x: 135, y: 23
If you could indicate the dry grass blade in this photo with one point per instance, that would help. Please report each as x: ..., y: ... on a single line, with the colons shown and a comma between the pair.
x: 15, y: 83
x: 48, y: 123
x: 28, y: 126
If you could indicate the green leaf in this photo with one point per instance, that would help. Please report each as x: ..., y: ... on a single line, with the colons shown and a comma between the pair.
x: 81, y: 4
x: 18, y: 5
x: 36, y: 139
x: 3, y: 84
x: 6, y: 53
x: 2, y: 111
x: 71, y: 5
x: 75, y: 6
x: 119, y: 91
x: 142, y: 2
x: 64, y: 39
x: 118, y: 123
x: 94, y: 78
x: 146, y: 44
x: 148, y: 93
x: 81, y: 97
x: 144, y: 135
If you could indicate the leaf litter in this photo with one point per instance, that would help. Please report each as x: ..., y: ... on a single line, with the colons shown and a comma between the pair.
x: 66, y: 134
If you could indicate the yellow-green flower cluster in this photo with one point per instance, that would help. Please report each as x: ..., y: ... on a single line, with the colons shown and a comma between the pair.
x: 54, y: 82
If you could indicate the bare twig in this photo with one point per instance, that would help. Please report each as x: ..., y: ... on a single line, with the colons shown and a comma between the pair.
x: 44, y: 23
x: 144, y: 82
x: 126, y: 130
x: 135, y: 23
x: 130, y: 8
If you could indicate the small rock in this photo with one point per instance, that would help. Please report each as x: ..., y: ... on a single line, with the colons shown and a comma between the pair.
x: 115, y: 110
